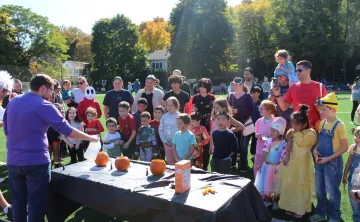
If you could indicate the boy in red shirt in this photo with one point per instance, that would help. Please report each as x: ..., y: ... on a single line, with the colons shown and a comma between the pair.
x: 158, y: 113
x: 127, y: 127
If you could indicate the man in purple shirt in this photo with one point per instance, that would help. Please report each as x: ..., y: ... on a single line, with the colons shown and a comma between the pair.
x: 26, y: 121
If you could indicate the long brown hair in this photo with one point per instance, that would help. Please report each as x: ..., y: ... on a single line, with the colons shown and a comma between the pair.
x: 223, y: 103
x: 271, y: 106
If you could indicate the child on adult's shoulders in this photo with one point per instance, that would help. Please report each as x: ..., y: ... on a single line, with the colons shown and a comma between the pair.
x: 184, y: 140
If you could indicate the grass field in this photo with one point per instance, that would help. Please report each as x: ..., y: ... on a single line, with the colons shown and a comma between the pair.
x: 91, y: 215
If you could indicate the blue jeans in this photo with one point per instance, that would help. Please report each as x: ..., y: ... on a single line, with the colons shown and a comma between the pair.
x: 327, y: 179
x: 29, y: 188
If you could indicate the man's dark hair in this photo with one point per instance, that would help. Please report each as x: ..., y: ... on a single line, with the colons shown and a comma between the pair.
x: 175, y: 79
x: 118, y: 78
x: 41, y: 80
x: 249, y: 69
x: 305, y: 63
x: 142, y: 101
x: 111, y: 120
x: 206, y: 83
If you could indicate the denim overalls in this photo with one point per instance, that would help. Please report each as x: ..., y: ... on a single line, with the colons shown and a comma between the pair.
x: 328, y: 176
x: 354, y: 164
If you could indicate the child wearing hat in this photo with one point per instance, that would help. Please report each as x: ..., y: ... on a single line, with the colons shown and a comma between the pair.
x: 352, y: 174
x: 328, y: 160
x: 266, y: 178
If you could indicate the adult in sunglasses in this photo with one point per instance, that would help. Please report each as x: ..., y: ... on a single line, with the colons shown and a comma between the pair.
x: 79, y: 92
x: 306, y: 91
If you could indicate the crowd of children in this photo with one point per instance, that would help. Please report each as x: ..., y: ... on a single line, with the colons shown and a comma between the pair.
x: 288, y: 163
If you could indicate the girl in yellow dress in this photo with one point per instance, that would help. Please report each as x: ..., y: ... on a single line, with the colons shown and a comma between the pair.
x: 296, y: 174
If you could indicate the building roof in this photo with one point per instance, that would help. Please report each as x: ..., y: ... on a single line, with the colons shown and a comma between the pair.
x: 159, y: 55
x: 75, y: 64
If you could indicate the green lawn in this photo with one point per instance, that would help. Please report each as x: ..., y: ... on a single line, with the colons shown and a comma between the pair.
x: 90, y: 215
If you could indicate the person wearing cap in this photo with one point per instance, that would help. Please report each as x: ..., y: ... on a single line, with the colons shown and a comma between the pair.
x: 306, y: 91
x: 114, y: 97
x: 266, y: 178
x: 250, y: 83
x: 328, y: 159
x: 242, y: 108
x: 352, y: 174
x: 184, y: 86
x: 283, y: 79
x: 153, y: 96
x: 137, y: 85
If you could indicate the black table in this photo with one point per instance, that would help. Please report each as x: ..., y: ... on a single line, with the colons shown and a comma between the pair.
x: 133, y: 196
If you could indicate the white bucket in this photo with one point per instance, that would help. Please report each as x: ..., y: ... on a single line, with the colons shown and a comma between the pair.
x: 92, y: 151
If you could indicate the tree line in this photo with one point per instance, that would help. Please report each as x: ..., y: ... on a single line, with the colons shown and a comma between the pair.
x: 206, y: 38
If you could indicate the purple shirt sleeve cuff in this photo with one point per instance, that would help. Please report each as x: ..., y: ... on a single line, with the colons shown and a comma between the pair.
x: 65, y: 128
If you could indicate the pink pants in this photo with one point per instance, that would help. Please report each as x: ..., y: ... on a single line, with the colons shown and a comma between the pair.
x: 257, y: 162
x: 169, y: 155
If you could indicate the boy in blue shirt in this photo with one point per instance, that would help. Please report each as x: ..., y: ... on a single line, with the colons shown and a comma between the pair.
x: 224, y: 145
x: 184, y: 140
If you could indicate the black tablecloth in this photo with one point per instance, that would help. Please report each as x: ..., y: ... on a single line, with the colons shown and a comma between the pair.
x: 133, y: 196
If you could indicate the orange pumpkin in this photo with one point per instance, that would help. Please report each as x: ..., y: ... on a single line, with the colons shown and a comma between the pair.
x: 122, y: 163
x: 102, y: 159
x: 157, y: 167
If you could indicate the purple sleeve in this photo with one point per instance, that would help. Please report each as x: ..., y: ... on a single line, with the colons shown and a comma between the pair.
x: 246, y: 109
x: 5, y: 123
x: 54, y: 119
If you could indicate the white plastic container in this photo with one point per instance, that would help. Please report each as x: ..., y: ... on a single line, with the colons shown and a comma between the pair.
x: 92, y: 151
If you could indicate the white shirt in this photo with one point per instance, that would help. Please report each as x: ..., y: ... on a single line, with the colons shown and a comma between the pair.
x: 78, y: 95
x: 2, y: 112
x: 110, y: 137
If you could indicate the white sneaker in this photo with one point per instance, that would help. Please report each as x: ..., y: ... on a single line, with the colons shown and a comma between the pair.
x: 352, y: 122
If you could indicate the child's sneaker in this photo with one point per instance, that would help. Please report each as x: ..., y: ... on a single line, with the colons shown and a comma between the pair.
x: 275, y: 206
x: 317, y: 218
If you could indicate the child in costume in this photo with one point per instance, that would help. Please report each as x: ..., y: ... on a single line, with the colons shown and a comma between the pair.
x: 88, y: 101
x: 296, y: 173
x: 285, y: 67
x: 328, y: 159
x: 266, y: 178
x: 145, y: 139
x: 155, y: 123
x: 202, y: 139
x: 268, y: 111
x: 352, y: 174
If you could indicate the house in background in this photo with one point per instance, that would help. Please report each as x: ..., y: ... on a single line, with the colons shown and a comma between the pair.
x: 74, y: 69
x: 158, y: 60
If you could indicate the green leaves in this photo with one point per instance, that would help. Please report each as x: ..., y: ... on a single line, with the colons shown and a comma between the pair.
x: 116, y: 50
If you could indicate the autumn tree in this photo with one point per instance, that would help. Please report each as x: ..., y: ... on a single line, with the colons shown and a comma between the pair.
x: 116, y: 49
x: 155, y: 34
x: 10, y: 50
x: 39, y: 40
x: 79, y: 44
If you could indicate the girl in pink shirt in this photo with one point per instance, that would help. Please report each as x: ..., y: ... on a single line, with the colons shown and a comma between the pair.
x: 268, y: 111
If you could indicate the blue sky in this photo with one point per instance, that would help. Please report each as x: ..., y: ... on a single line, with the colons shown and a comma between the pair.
x: 84, y: 14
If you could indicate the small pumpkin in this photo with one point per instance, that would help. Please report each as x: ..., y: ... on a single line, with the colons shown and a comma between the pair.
x: 157, y: 167
x: 102, y: 159
x: 122, y: 163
